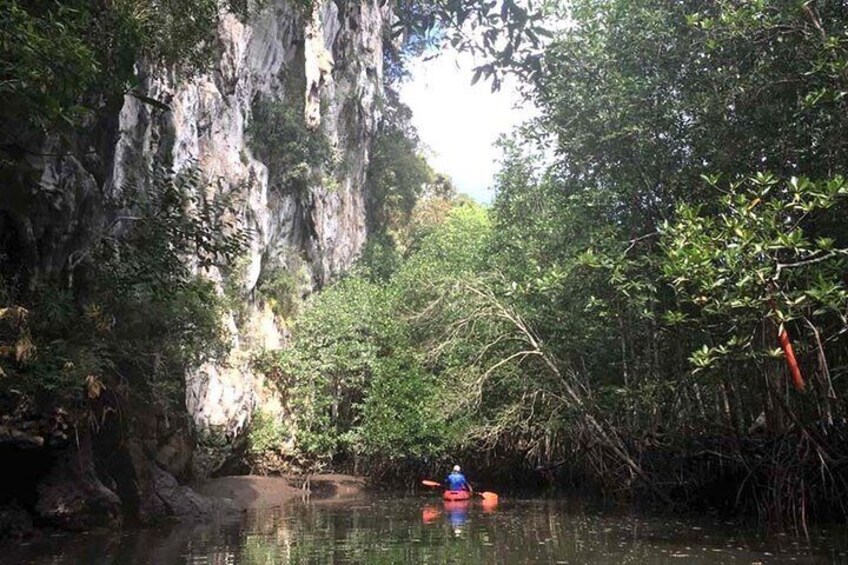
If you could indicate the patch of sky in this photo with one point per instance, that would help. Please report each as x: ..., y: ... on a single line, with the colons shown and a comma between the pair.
x: 460, y: 123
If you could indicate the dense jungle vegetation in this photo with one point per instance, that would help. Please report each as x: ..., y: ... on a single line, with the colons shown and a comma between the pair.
x: 655, y: 302
x: 102, y: 290
x: 654, y: 305
x: 108, y: 290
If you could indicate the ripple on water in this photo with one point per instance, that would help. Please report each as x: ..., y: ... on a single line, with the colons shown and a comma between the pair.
x: 407, y: 529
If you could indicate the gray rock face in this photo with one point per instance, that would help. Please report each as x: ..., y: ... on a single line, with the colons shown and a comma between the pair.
x: 185, y: 504
x: 337, y: 49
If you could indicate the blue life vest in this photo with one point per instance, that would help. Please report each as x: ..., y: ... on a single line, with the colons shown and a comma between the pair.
x: 456, y: 481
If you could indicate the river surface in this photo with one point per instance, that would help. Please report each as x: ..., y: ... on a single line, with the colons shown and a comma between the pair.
x: 418, y: 529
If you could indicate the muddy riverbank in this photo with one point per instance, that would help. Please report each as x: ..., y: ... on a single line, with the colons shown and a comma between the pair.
x: 257, y: 492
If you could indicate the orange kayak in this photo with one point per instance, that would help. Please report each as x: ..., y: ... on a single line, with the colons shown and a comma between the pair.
x: 456, y: 495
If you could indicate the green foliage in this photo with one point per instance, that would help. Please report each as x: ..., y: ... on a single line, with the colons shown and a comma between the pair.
x: 45, y: 71
x: 294, y: 154
x: 752, y: 257
x: 131, y: 315
x: 398, y: 174
x: 58, y: 58
x: 358, y: 388
x: 247, y: 9
x: 171, y: 216
x: 454, y: 248
x: 65, y: 69
x: 635, y: 234
x: 631, y: 277
x: 284, y: 287
x: 641, y: 102
x: 407, y: 199
x: 573, y: 313
x: 401, y: 419
x: 337, y: 343
x: 266, y: 433
x: 508, y: 35
x: 235, y: 294
x: 380, y: 259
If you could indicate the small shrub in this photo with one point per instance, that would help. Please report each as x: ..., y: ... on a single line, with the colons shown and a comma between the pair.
x: 294, y: 154
x: 284, y: 288
x: 267, y: 433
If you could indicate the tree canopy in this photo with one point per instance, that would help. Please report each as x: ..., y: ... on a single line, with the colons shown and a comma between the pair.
x: 662, y: 270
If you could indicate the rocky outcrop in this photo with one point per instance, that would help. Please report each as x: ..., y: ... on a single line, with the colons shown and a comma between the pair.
x: 186, y: 504
x: 97, y: 472
x: 331, y: 60
x: 326, y: 62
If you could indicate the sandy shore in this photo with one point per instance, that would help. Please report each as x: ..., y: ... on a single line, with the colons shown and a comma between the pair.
x: 252, y: 492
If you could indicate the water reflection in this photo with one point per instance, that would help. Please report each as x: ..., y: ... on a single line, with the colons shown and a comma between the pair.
x: 456, y: 511
x: 424, y: 530
x: 430, y: 514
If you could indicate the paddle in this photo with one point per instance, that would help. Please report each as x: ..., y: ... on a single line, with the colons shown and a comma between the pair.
x: 488, y: 496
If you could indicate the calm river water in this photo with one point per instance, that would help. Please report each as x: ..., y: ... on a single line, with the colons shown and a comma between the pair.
x: 418, y: 529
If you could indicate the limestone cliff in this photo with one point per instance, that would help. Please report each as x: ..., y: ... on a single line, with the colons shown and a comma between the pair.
x: 320, y: 68
x: 328, y: 65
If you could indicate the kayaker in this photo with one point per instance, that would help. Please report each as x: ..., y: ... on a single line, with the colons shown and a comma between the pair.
x: 456, y: 480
